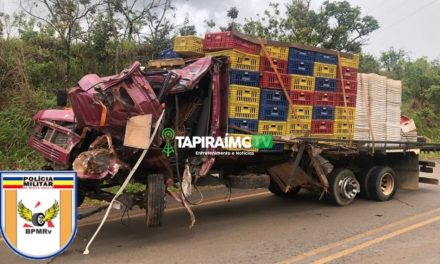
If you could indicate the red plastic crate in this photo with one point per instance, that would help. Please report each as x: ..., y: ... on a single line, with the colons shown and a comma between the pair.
x: 350, y: 74
x: 227, y: 40
x: 349, y: 86
x: 322, y: 127
x: 325, y: 98
x: 280, y: 64
x: 269, y: 80
x: 350, y: 98
x: 301, y: 97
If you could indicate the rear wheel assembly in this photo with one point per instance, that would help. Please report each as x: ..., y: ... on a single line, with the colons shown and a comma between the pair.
x: 343, y: 187
x: 155, y: 202
x: 382, y: 184
x: 363, y: 177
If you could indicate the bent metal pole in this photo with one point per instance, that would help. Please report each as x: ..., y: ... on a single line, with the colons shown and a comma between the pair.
x: 127, y: 180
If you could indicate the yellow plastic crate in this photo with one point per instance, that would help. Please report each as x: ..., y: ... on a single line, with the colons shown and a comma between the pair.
x: 302, y: 112
x: 302, y: 82
x: 343, y: 128
x: 242, y: 149
x: 239, y: 60
x: 274, y: 128
x: 324, y: 70
x: 244, y: 94
x: 352, y: 62
x: 341, y: 114
x: 275, y: 52
x: 188, y: 45
x: 245, y: 111
x: 299, y: 128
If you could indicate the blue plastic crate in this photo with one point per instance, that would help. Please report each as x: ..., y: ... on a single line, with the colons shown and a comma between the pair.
x: 325, y: 84
x: 274, y: 113
x: 249, y: 78
x: 168, y: 54
x: 275, y: 148
x: 249, y: 124
x: 302, y: 67
x: 325, y: 58
x: 323, y: 113
x: 302, y: 55
x: 269, y: 97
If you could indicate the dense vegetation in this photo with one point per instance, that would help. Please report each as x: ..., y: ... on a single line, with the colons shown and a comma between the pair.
x: 50, y: 44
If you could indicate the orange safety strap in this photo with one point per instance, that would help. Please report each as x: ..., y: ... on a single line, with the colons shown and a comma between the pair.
x: 345, y: 99
x: 274, y: 68
x: 103, y: 115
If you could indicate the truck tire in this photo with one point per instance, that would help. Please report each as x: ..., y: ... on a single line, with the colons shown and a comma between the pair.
x: 382, y: 184
x: 275, y: 189
x: 343, y: 187
x: 155, y: 204
x: 363, y: 177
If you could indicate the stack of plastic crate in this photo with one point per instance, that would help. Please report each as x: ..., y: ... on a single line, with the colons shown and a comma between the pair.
x: 346, y: 84
x: 244, y: 78
x: 325, y: 96
x: 362, y: 130
x: 299, y: 120
x: 394, y: 98
x: 273, y: 104
x: 381, y: 97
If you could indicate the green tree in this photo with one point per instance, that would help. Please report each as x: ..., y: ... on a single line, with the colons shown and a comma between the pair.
x: 187, y: 28
x: 210, y: 23
x: 393, y: 62
x: 232, y: 14
x: 159, y: 29
x: 64, y: 17
x: 421, y: 94
x: 4, y: 18
x: 369, y: 64
x: 336, y: 25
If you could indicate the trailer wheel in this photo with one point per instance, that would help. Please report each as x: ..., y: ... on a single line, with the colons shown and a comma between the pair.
x: 343, y: 187
x: 155, y: 204
x: 275, y: 189
x: 363, y: 177
x: 382, y: 184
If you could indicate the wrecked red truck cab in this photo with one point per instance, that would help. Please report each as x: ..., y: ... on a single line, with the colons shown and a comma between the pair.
x: 54, y: 137
x: 89, y: 137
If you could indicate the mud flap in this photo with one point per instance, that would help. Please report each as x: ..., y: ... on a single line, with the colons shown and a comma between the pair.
x: 406, y: 167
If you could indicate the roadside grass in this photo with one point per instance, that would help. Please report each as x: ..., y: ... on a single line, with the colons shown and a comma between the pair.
x: 131, y: 188
x: 429, y: 156
x: 16, y: 127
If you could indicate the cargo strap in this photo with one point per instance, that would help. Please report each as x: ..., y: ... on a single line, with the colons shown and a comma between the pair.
x: 274, y: 68
x: 103, y: 115
x: 350, y: 134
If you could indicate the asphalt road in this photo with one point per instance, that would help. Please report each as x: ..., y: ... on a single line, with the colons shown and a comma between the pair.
x: 257, y: 227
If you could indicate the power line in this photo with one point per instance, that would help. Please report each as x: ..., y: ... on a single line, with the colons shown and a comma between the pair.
x: 409, y: 15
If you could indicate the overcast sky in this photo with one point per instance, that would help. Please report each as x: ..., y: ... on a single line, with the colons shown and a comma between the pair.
x: 405, y: 24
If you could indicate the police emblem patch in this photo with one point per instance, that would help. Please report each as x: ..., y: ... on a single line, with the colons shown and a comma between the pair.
x: 38, y: 212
